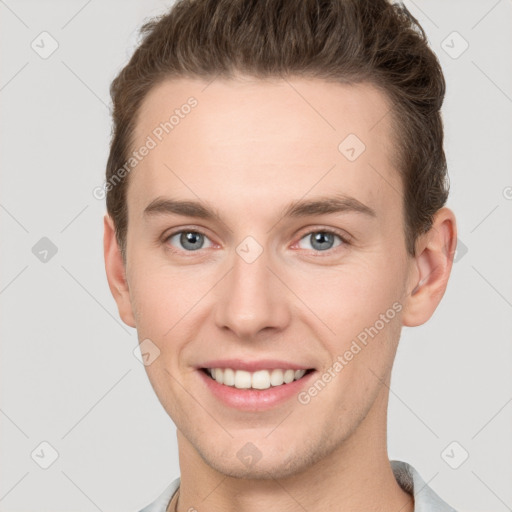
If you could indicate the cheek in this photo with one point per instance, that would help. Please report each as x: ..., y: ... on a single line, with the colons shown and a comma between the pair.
x: 350, y: 383
x: 350, y: 297
x: 160, y: 297
x: 166, y: 303
x: 361, y: 305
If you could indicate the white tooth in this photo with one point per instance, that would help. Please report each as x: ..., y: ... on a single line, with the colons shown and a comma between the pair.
x: 289, y: 375
x: 219, y: 375
x: 261, y: 379
x: 229, y: 377
x: 276, y: 377
x: 242, y: 379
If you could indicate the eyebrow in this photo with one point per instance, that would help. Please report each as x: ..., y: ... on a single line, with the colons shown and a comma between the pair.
x: 301, y: 208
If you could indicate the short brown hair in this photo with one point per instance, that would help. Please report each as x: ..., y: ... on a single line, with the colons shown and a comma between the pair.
x: 349, y: 41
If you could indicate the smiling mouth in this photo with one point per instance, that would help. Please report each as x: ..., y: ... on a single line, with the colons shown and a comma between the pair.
x: 261, y: 379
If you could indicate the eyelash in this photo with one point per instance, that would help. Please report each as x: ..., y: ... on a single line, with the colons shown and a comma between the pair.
x: 343, y: 237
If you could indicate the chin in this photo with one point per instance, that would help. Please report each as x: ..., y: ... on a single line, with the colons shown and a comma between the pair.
x: 262, y: 470
x: 264, y: 460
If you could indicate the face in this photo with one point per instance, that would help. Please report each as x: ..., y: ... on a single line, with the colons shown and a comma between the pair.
x: 266, y: 242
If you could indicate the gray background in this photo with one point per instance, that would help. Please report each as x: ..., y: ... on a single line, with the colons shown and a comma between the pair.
x: 68, y: 373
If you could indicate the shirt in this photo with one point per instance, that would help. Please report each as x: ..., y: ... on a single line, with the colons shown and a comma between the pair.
x: 425, y: 499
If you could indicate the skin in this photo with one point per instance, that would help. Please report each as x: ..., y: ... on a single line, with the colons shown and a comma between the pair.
x: 248, y: 149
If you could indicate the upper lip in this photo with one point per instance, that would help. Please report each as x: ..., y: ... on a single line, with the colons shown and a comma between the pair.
x: 253, y: 366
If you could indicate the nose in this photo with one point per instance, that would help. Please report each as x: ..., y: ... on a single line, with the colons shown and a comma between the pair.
x: 252, y: 299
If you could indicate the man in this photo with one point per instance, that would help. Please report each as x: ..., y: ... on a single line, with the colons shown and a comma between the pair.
x: 275, y: 194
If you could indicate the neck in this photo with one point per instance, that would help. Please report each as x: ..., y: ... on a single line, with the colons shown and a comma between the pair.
x: 355, y: 476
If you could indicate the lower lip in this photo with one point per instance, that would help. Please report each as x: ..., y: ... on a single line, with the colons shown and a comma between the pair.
x: 255, y: 399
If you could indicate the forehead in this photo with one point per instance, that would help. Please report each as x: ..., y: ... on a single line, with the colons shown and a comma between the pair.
x: 268, y: 140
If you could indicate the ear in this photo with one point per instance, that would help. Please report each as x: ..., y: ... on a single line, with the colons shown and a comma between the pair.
x: 431, y: 269
x: 116, y: 272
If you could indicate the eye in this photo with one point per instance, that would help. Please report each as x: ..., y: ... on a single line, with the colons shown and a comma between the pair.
x: 322, y: 240
x: 189, y: 240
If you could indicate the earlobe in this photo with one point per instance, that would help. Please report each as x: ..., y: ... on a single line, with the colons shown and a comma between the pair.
x: 433, y: 264
x: 116, y: 274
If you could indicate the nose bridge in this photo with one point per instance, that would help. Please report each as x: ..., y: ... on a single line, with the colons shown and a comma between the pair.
x: 252, y: 298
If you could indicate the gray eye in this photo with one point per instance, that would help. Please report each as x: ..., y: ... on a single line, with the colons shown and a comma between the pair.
x: 189, y: 240
x: 320, y: 240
